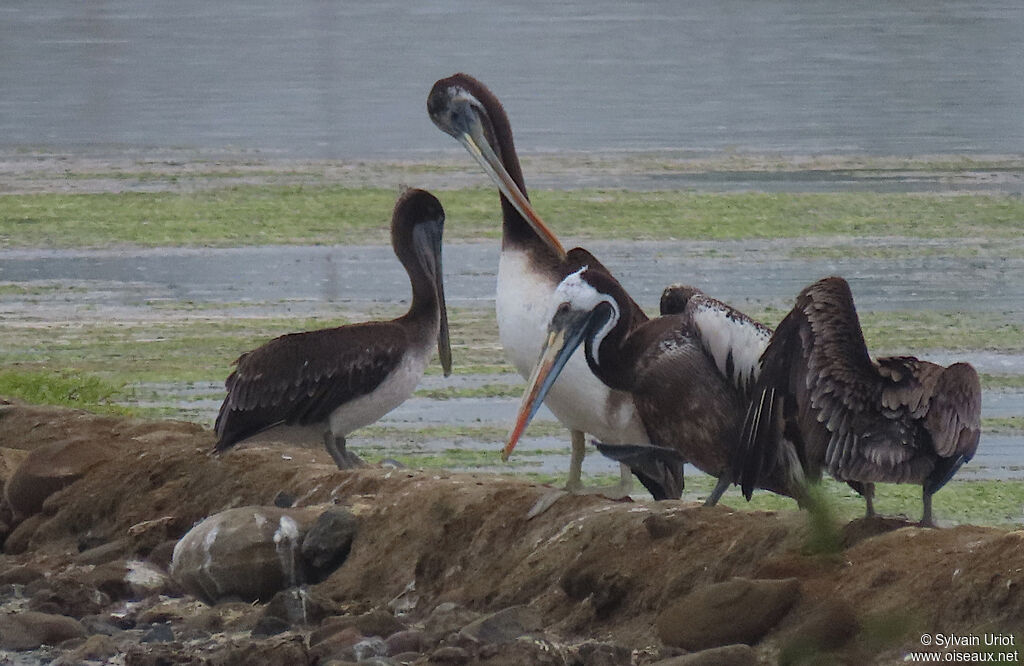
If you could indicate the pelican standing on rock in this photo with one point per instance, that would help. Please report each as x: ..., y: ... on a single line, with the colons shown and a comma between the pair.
x: 532, y: 264
x: 347, y: 377
x: 893, y: 420
x: 689, y: 373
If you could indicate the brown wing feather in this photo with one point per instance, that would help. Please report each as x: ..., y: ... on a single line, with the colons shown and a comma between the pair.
x: 300, y: 378
x: 954, y: 412
x: 817, y: 364
x: 901, y: 419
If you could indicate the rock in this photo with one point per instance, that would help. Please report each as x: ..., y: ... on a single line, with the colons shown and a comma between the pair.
x: 103, y: 553
x: 374, y: 646
x: 161, y: 554
x: 860, y: 529
x: 334, y: 645
x: 145, y: 580
x: 450, y: 655
x: 740, y: 610
x: 328, y: 542
x: 21, y: 574
x: 248, y: 553
x: 446, y: 618
x: 29, y: 630
x: 158, y: 633
x: 66, y: 596
x: 504, y: 626
x: 10, y: 460
x: 111, y: 580
x: 299, y: 607
x: 95, y: 648
x: 407, y: 640
x: 593, y: 653
x: 727, y: 655
x: 50, y: 467
x: 533, y: 651
x: 18, y: 540
x: 162, y: 654
x: 270, y: 625
x: 605, y: 590
x: 829, y: 626
x: 375, y: 623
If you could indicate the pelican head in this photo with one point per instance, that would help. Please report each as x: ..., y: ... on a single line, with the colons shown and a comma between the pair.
x: 463, y: 107
x: 584, y: 314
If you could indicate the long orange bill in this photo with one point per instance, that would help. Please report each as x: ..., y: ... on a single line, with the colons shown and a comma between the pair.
x: 564, y: 337
x: 485, y: 156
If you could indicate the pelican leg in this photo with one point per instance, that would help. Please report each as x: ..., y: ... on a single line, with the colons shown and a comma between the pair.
x: 574, y: 484
x: 926, y: 516
x: 579, y: 449
x: 869, y: 499
x: 343, y: 458
x: 723, y: 484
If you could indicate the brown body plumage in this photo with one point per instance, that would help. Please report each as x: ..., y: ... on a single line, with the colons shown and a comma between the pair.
x: 683, y: 370
x: 347, y: 377
x: 894, y: 420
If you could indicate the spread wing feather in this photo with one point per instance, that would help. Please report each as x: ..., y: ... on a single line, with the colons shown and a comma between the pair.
x: 862, y: 421
x: 730, y: 338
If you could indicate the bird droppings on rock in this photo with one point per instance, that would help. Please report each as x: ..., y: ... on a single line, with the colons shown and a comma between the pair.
x: 249, y: 553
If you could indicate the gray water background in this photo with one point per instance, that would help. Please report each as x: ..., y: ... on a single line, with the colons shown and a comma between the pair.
x: 344, y: 80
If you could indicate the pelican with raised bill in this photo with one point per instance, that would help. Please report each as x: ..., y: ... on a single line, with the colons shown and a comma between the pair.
x: 532, y: 264
x: 341, y: 379
x: 689, y: 373
x: 892, y: 420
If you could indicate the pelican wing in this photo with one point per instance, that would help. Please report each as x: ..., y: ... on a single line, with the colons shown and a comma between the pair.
x: 954, y: 412
x: 732, y: 339
x: 815, y: 373
x: 300, y: 378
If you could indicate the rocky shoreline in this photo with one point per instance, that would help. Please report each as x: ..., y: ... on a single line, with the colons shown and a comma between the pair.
x: 398, y: 566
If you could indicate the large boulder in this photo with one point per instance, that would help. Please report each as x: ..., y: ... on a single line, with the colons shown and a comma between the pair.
x: 249, y: 553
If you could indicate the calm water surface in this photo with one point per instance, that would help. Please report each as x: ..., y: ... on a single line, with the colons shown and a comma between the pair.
x: 344, y: 80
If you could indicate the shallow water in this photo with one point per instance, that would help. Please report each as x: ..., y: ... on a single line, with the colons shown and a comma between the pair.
x: 741, y: 272
x: 350, y: 80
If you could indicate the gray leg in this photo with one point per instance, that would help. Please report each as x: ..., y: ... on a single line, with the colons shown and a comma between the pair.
x: 625, y: 480
x: 723, y: 484
x: 926, y: 517
x: 579, y: 449
x: 343, y: 458
x: 574, y: 484
x: 869, y: 499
